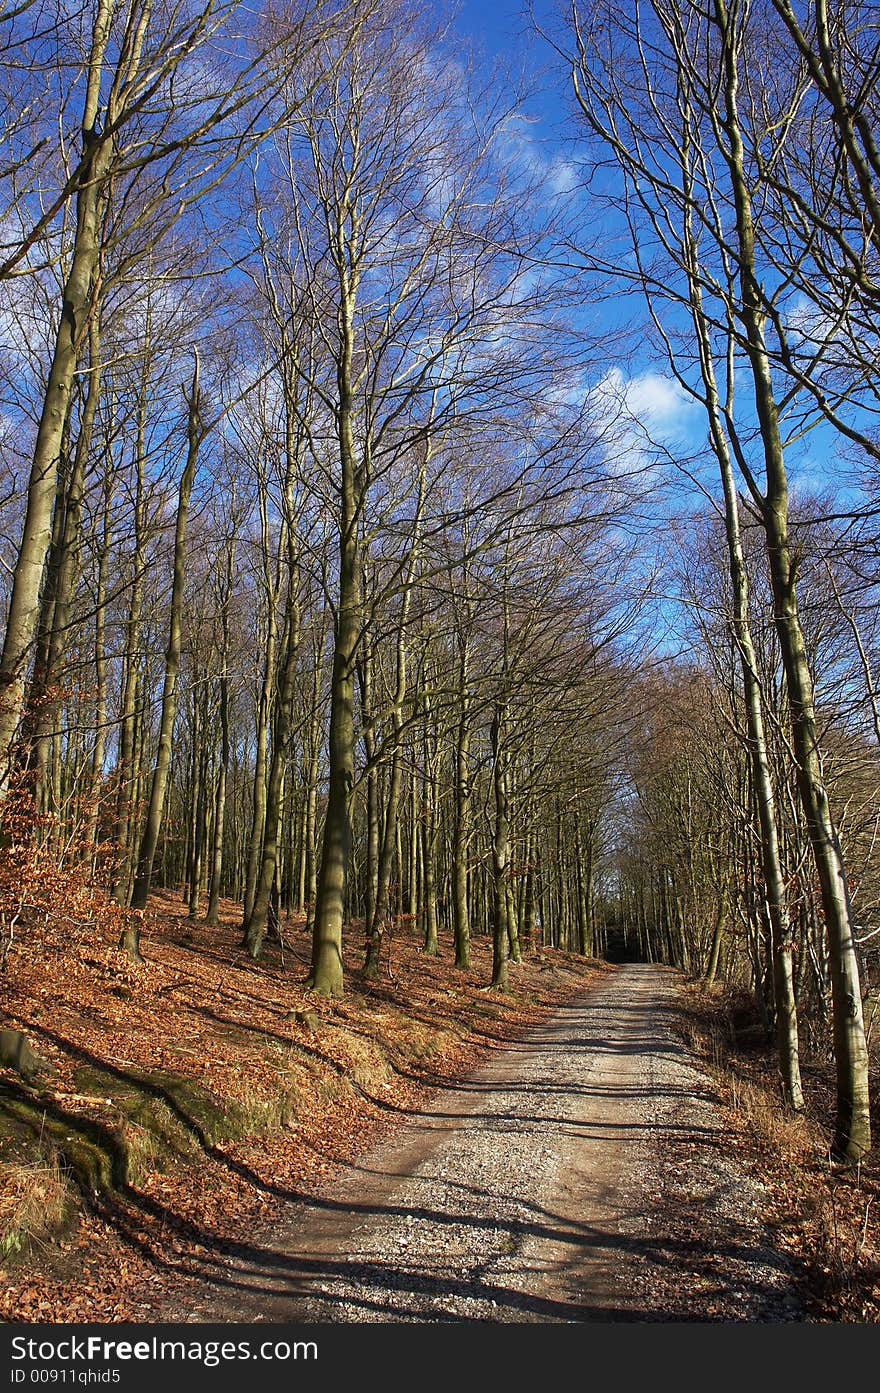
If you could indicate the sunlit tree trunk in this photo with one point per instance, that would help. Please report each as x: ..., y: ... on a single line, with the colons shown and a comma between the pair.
x: 127, y: 765
x: 217, y: 849
x: 255, y: 930
x: 78, y: 305
x: 326, y: 973
x: 150, y: 837
x: 395, y: 779
x: 853, y: 1129
x: 264, y: 712
x: 99, y: 748
x: 45, y: 693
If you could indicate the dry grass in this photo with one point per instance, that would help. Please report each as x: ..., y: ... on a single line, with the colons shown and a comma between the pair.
x: 35, y: 1202
x: 775, y: 1129
x: 826, y: 1218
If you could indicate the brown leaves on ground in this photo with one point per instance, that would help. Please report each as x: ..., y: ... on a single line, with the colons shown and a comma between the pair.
x: 826, y: 1219
x: 310, y: 1081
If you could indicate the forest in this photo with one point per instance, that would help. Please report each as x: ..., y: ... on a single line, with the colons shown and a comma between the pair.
x: 438, y: 504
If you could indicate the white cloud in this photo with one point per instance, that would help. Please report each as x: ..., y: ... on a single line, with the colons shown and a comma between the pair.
x: 530, y: 157
x: 660, y: 403
x: 634, y: 417
x: 807, y: 325
x: 562, y: 176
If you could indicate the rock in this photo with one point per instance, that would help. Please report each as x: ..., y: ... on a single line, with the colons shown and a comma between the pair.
x: 16, y: 1052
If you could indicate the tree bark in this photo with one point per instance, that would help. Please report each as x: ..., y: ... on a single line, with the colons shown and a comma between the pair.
x: 500, y: 856
x: 223, y: 772
x: 45, y: 695
x: 150, y: 838
x: 264, y: 715
x: 326, y: 974
x: 78, y: 304
x: 259, y: 918
x: 462, y: 825
x: 127, y: 764
x: 852, y: 1137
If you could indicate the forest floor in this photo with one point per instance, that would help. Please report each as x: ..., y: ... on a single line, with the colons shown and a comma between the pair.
x: 598, y: 1144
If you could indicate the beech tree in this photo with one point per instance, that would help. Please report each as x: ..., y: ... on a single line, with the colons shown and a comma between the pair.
x: 401, y: 224
x: 366, y: 629
x: 685, y: 189
x: 148, y: 150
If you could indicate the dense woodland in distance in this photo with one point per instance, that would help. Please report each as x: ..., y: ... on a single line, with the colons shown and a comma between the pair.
x: 349, y: 569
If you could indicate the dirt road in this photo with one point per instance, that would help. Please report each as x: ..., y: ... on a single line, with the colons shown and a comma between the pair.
x: 584, y: 1174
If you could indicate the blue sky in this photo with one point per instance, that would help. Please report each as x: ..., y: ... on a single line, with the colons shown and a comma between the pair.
x: 631, y: 382
x: 505, y: 32
x: 500, y: 24
x: 639, y: 385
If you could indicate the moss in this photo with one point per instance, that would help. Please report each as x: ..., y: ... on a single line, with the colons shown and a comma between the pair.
x: 180, y: 1112
x: 16, y: 1134
x: 91, y: 1151
x: 147, y: 1121
x: 157, y: 1119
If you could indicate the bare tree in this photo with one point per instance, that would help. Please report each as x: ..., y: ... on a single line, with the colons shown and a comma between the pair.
x: 685, y: 46
x: 149, y: 150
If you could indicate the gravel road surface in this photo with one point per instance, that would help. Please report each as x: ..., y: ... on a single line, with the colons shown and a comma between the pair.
x: 584, y: 1174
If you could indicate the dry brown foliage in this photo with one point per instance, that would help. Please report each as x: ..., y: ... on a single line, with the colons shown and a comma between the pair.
x: 826, y: 1218
x: 300, y: 1084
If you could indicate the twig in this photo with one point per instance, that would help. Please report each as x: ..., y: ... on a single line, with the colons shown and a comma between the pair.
x: 864, y: 1238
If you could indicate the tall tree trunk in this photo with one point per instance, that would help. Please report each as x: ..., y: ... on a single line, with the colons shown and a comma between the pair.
x: 200, y: 799
x: 429, y: 836
x: 462, y: 825
x: 529, y: 905
x: 581, y: 889
x: 78, y: 305
x: 150, y: 838
x: 389, y: 838
x: 45, y: 694
x: 216, y: 878
x: 412, y: 851
x: 223, y: 772
x: 96, y: 771
x: 762, y: 777
x: 852, y: 1137
x: 374, y: 833
x: 130, y: 722
x: 314, y: 755
x: 381, y: 906
x: 264, y: 715
x: 326, y: 973
x: 715, y: 948
x: 500, y: 855
x: 257, y: 925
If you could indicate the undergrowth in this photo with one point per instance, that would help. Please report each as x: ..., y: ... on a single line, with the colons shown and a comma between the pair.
x: 826, y: 1216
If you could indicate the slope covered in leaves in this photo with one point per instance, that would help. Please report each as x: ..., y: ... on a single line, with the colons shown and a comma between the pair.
x: 198, y: 1092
